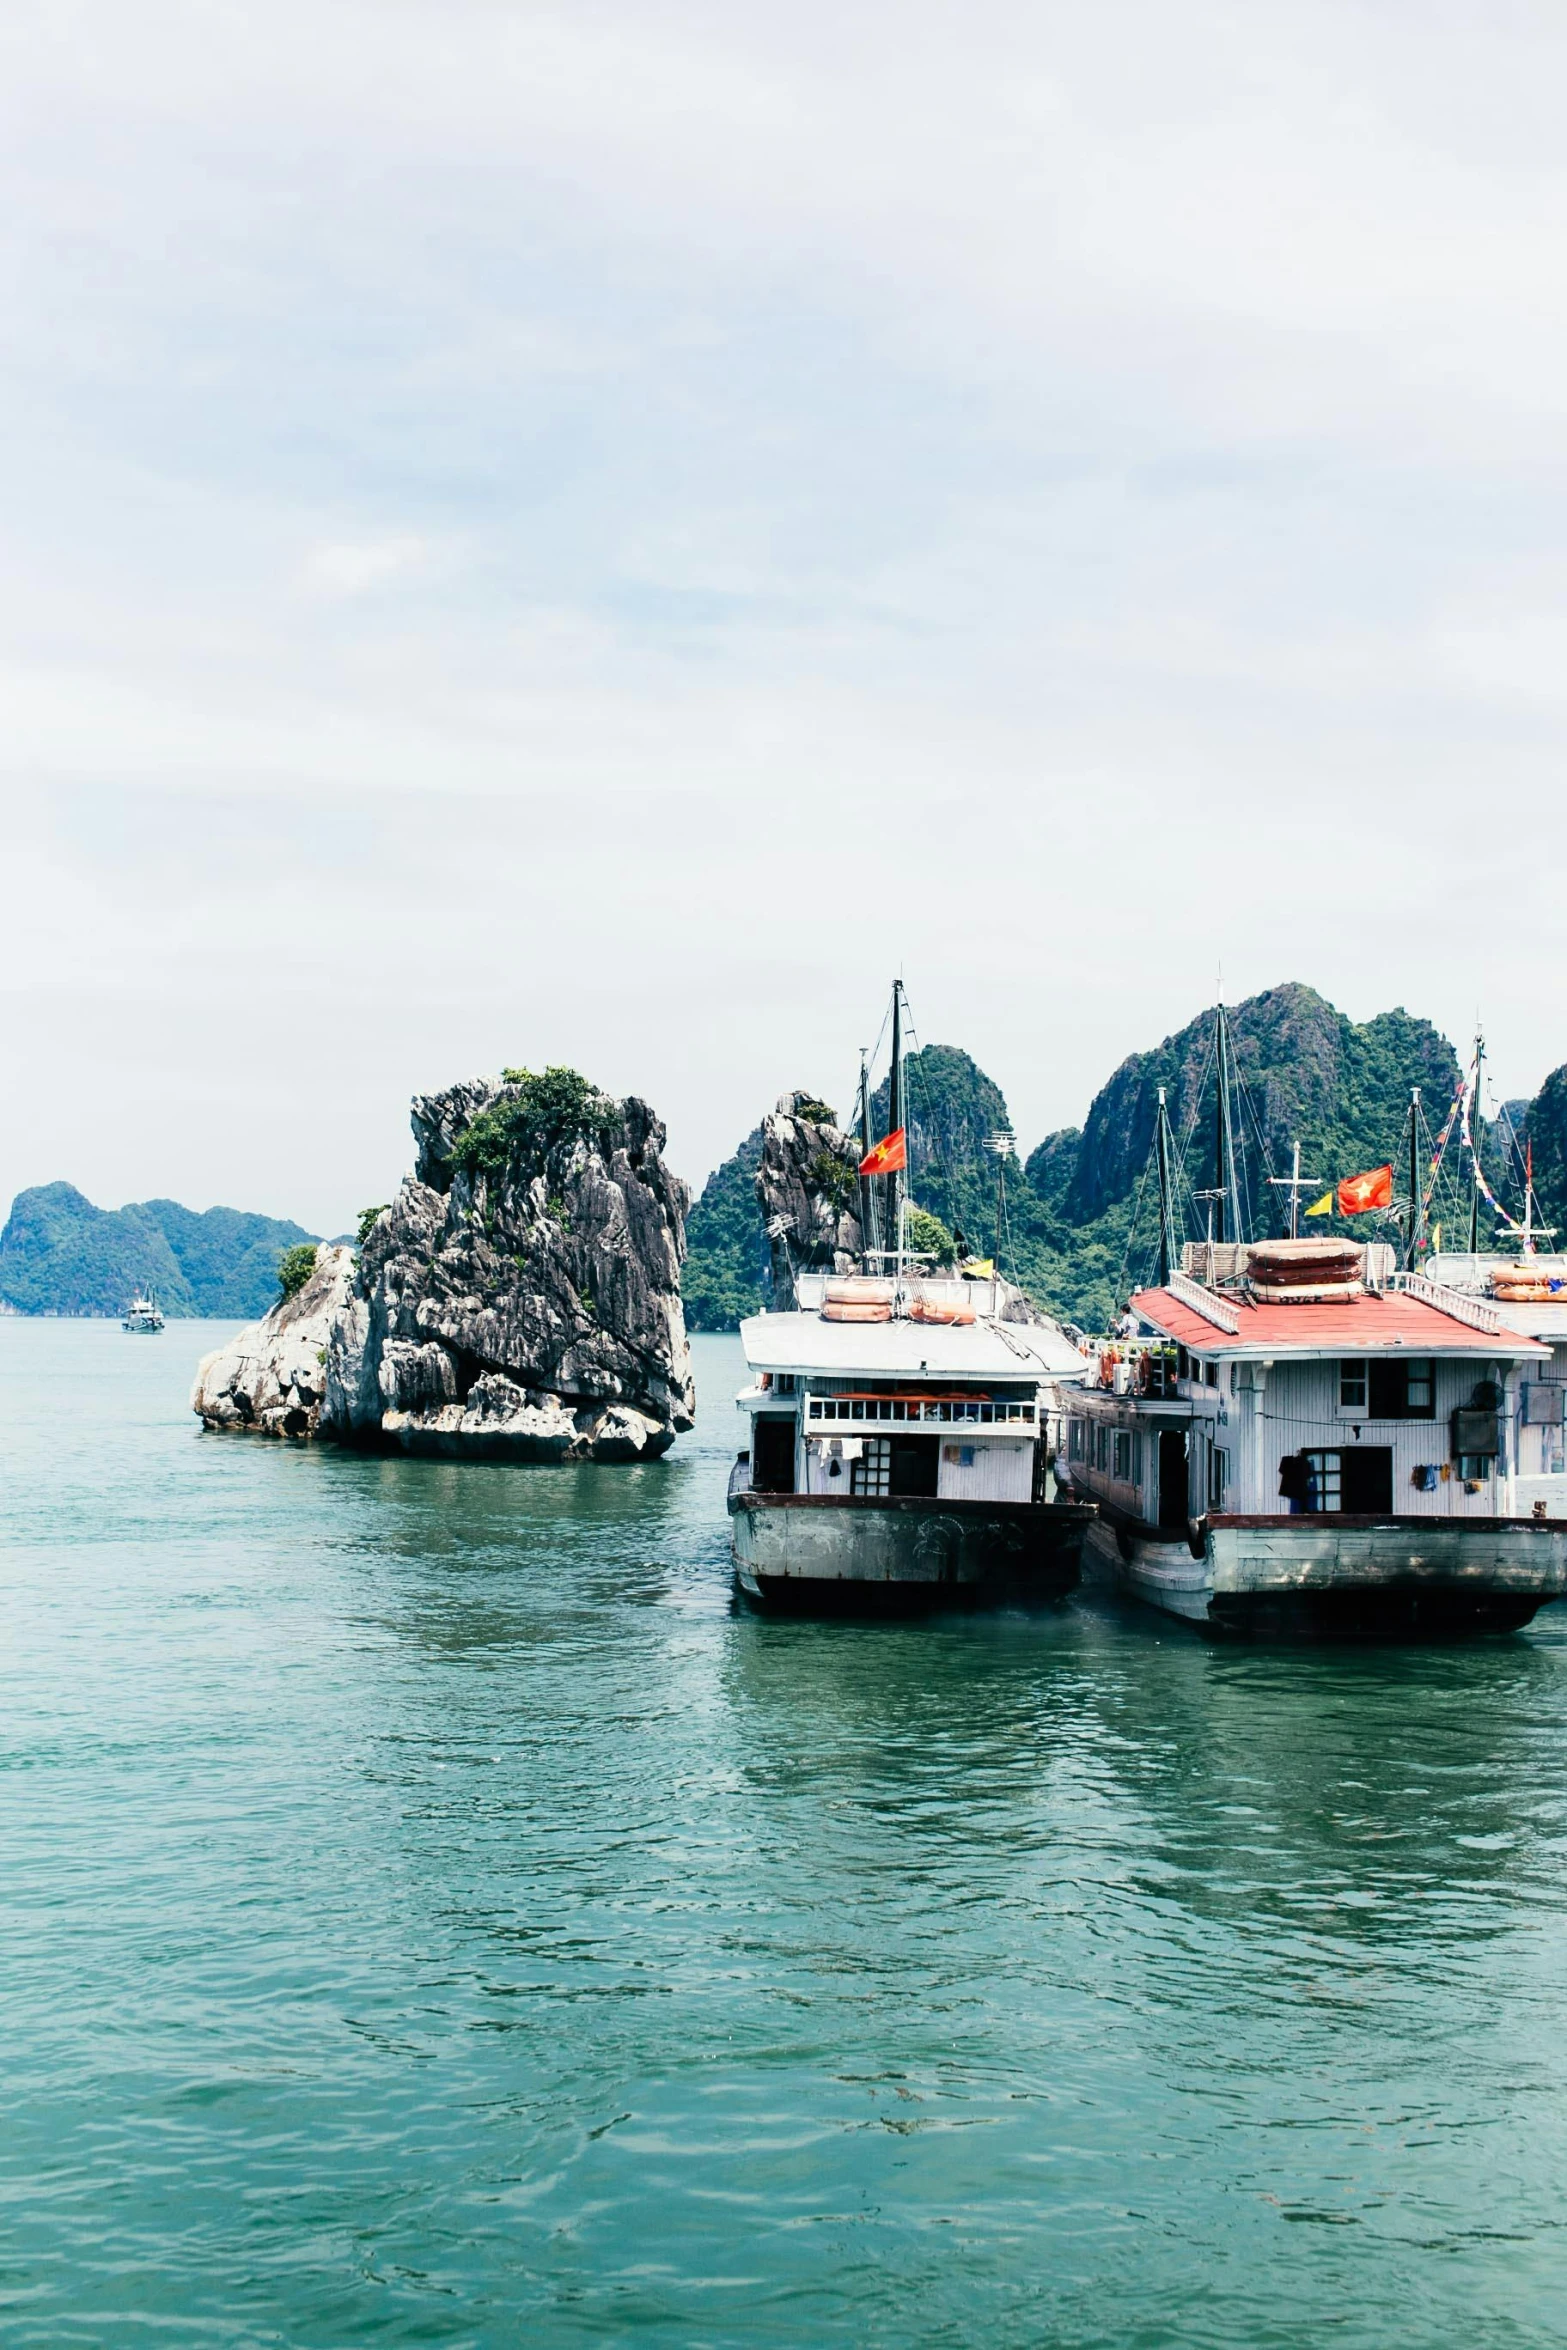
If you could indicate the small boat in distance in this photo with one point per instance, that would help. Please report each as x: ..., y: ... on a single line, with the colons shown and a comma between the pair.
x: 142, y: 1315
x: 898, y: 1421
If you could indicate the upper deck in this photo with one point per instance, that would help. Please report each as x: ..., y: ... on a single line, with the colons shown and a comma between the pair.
x: 979, y: 1353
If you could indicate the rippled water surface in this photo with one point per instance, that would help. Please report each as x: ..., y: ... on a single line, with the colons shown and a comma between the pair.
x: 429, y: 1913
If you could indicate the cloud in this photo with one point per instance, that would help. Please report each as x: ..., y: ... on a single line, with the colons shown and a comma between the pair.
x: 598, y: 532
x: 351, y: 567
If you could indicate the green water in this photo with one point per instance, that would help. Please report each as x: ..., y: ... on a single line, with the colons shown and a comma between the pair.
x: 430, y: 1914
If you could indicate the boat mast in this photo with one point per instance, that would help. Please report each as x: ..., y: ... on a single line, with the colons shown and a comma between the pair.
x: 869, y: 1233
x: 1220, y: 1105
x: 895, y: 1190
x: 1294, y: 1183
x: 1417, y: 1220
x: 1166, y: 1206
x: 1226, y: 1175
x: 1527, y: 1249
x: 1476, y: 1134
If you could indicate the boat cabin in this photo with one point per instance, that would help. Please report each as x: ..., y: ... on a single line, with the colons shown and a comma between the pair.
x: 1269, y: 1398
x: 941, y: 1403
x: 1530, y: 1292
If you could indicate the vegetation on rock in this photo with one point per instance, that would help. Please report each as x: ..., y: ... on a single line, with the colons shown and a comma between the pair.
x: 926, y: 1236
x: 517, y: 1135
x: 294, y: 1268
x: 835, y: 1178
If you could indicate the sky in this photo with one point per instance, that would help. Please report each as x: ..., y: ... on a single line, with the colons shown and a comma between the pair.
x: 599, y: 533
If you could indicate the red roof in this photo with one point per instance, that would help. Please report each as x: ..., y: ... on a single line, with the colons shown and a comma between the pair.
x: 1352, y: 1325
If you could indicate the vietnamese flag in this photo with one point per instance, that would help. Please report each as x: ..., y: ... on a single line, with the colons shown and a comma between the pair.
x: 890, y: 1154
x: 1357, y: 1193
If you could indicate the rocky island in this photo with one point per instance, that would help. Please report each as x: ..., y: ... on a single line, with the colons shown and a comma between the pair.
x: 519, y: 1299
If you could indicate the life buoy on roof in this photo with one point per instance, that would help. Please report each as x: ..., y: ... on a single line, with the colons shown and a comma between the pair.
x: 1300, y: 1271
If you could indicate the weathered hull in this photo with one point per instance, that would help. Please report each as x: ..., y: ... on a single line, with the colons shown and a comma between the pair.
x: 810, y: 1553
x: 1344, y: 1577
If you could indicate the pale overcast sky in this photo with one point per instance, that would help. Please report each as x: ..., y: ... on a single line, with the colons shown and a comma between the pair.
x: 596, y: 532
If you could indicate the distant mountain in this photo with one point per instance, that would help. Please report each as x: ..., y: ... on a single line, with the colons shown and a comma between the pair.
x: 726, y: 1272
x: 61, y: 1255
x: 1306, y: 1072
x: 950, y: 1108
x: 1544, y: 1128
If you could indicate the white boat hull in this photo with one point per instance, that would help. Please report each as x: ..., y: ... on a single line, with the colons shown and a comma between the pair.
x: 1349, y: 1577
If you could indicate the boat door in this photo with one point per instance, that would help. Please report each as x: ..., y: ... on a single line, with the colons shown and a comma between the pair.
x: 772, y: 1453
x: 913, y: 1466
x: 1173, y: 1510
x: 1366, y: 1479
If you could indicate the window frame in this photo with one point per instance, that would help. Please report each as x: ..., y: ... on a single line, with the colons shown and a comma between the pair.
x: 1322, y: 1454
x: 1397, y: 1371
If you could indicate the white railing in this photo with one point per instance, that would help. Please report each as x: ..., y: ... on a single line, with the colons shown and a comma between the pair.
x: 974, y: 1411
x: 1453, y: 1302
x: 1202, y: 1301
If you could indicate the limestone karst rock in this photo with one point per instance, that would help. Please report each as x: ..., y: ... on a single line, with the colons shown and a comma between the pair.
x: 271, y: 1378
x: 808, y: 1196
x: 808, y: 1192
x: 521, y: 1301
x: 518, y: 1300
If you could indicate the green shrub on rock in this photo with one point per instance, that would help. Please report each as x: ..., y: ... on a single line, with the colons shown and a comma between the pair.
x: 294, y: 1268
x: 533, y: 1118
x: 927, y: 1236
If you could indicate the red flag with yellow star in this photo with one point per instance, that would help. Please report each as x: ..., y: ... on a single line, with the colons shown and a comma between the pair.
x: 889, y: 1155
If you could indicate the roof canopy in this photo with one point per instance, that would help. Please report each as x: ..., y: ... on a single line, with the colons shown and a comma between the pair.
x: 979, y: 1351
x: 1370, y: 1324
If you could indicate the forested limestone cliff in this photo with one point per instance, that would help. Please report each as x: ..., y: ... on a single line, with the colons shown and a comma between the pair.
x: 1077, y: 1234
x: 61, y: 1255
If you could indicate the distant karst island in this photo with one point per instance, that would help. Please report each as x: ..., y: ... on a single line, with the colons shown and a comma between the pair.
x: 61, y: 1255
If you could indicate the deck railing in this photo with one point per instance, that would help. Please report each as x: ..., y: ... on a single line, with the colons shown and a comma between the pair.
x: 945, y: 1411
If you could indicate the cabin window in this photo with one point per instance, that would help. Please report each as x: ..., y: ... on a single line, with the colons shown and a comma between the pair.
x: 1137, y: 1456
x: 1352, y: 1387
x: 783, y: 1382
x: 1102, y: 1446
x: 1401, y: 1390
x: 872, y: 1472
x: 1182, y: 1362
x: 1218, y: 1477
x: 1323, y: 1483
x: 1075, y: 1440
x: 1123, y: 1455
x: 1473, y: 1467
x: 1210, y: 1372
